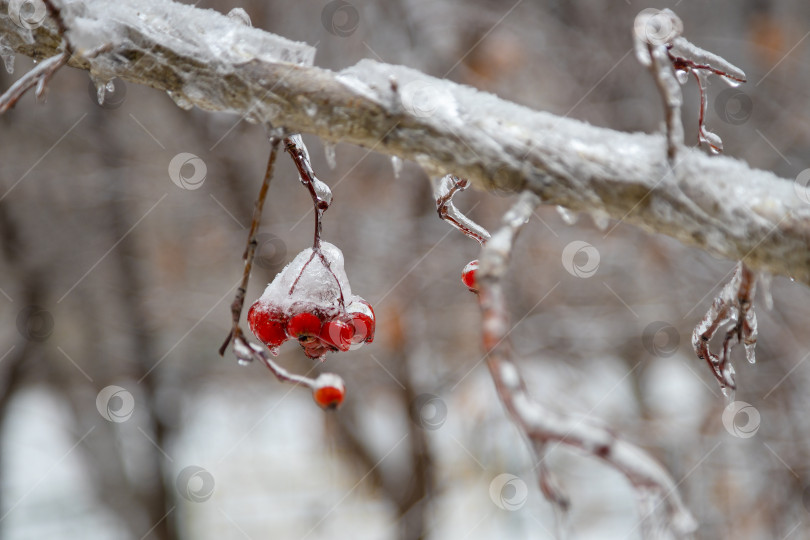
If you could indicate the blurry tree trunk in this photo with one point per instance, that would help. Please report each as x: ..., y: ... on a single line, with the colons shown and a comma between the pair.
x: 157, y: 500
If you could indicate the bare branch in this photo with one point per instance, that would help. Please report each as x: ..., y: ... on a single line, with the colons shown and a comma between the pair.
x: 250, y: 249
x: 713, y: 202
x: 38, y: 76
x: 542, y: 425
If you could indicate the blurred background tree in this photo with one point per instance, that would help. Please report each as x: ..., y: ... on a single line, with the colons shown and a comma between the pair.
x: 113, y: 275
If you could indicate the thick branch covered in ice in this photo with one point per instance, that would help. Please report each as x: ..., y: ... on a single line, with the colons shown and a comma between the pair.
x: 206, y: 59
x: 661, y: 503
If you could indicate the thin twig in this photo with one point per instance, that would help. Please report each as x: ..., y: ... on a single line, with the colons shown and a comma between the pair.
x: 250, y: 249
x: 38, y: 76
x: 321, y: 199
x: 448, y: 187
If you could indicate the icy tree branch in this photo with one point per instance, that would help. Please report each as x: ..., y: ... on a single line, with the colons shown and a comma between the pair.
x: 206, y: 59
x: 660, y: 502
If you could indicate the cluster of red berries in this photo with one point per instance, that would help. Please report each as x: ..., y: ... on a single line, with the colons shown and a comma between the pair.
x: 317, y: 331
x: 468, y: 275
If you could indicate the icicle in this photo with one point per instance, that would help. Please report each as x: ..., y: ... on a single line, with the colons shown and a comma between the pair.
x: 322, y: 191
x: 601, y: 219
x: 101, y: 86
x: 731, y: 82
x: 7, y: 54
x: 713, y: 140
x: 569, y: 217
x: 750, y: 336
x: 179, y: 99
x: 396, y: 164
x: 765, y: 286
x: 329, y: 152
x: 40, y: 90
x: 240, y: 15
x: 750, y: 353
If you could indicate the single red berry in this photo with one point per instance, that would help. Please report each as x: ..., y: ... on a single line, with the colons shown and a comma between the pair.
x: 468, y: 275
x: 361, y: 317
x: 303, y: 325
x: 268, y: 327
x: 337, y: 334
x: 328, y: 391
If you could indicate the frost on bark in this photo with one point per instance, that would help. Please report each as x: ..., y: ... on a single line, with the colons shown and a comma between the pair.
x: 203, y: 58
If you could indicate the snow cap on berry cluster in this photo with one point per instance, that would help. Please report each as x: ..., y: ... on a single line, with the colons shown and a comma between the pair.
x: 310, y: 283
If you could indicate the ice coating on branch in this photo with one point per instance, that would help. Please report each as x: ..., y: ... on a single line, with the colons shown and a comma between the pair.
x: 682, y: 49
x: 195, y: 36
x: 731, y: 311
x: 322, y: 191
x: 318, y: 282
x: 444, y: 190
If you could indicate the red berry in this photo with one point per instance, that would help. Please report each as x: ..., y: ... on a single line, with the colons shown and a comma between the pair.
x: 361, y: 317
x: 328, y: 391
x: 268, y: 327
x: 468, y: 275
x: 337, y: 334
x: 303, y: 325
